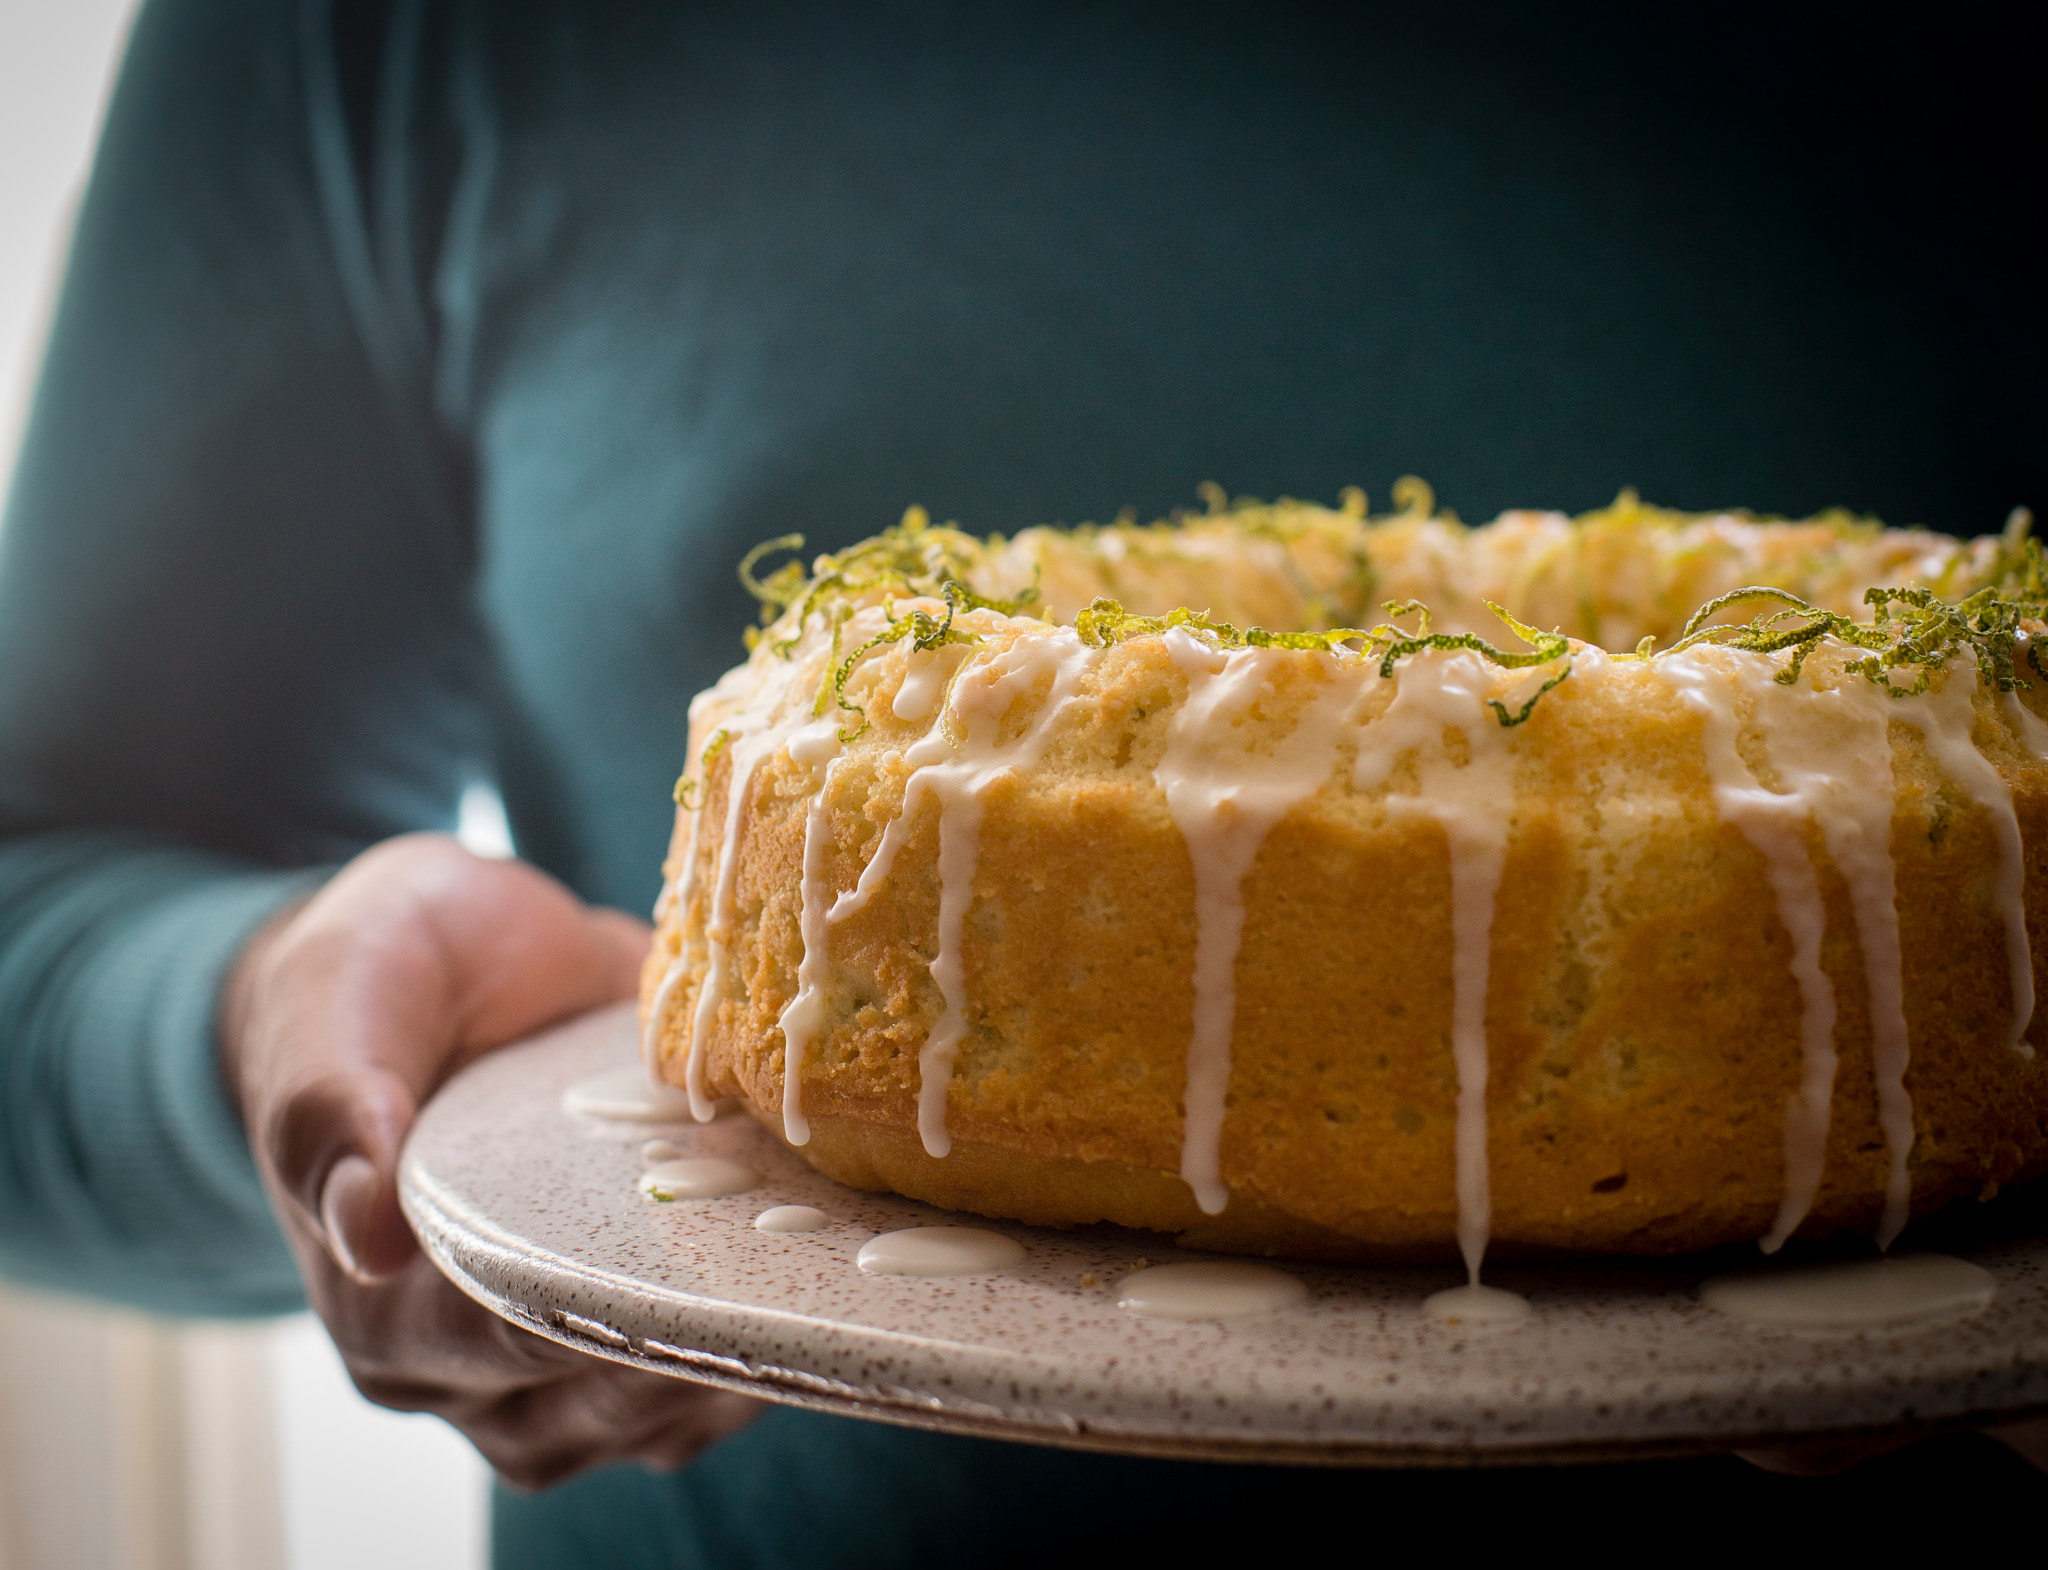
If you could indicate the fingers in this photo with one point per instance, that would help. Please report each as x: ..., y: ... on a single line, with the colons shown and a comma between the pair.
x: 601, y: 1416
x: 2029, y: 1441
x: 538, y: 1411
x: 331, y: 1146
x: 418, y: 1344
x: 348, y: 1216
x: 1825, y: 1457
x: 715, y: 1415
x: 628, y: 938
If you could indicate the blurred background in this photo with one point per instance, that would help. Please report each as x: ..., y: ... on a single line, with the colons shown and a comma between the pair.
x: 126, y: 1442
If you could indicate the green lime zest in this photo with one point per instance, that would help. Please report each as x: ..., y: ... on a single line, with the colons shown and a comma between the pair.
x: 1912, y: 629
x: 914, y: 559
x: 1544, y: 647
x: 924, y: 630
x: 1105, y: 622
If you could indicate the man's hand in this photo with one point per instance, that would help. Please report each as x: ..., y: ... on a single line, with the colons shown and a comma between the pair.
x: 341, y: 1018
x: 1826, y: 1457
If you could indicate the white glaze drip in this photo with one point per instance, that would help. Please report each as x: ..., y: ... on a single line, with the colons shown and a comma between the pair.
x: 804, y: 1015
x: 1776, y: 826
x: 678, y: 889
x: 675, y: 891
x: 1209, y: 1289
x: 743, y: 727
x: 1859, y: 1294
x: 929, y: 751
x: 1946, y: 719
x: 939, y: 1251
x: 1472, y: 802
x: 815, y: 743
x: 1477, y: 857
x: 658, y: 1010
x: 2033, y: 730
x: 754, y: 740
x: 625, y: 1095
x: 665, y: 901
x: 924, y: 678
x: 660, y: 1150
x: 792, y: 1218
x: 1831, y: 749
x: 747, y: 754
x: 959, y: 775
x: 1225, y: 799
x: 1473, y: 1304
x: 698, y: 1177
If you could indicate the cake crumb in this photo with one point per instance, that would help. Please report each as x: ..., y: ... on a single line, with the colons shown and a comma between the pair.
x: 1088, y: 1279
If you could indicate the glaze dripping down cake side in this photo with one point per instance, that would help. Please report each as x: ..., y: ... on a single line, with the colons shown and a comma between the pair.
x: 1367, y: 938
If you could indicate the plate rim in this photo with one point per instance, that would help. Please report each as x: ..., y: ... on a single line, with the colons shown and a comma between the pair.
x: 455, y: 1241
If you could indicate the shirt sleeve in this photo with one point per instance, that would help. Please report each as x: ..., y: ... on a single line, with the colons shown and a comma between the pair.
x: 236, y: 641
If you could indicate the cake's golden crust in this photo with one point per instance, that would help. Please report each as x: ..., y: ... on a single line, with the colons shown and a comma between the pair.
x: 1059, y: 1191
x: 1642, y: 1020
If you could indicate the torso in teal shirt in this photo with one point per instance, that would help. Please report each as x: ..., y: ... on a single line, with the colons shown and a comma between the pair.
x: 425, y: 368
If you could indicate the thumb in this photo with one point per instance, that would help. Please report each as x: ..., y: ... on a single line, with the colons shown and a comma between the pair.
x: 360, y: 1218
x: 334, y: 1146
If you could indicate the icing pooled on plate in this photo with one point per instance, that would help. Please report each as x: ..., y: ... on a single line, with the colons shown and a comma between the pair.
x: 939, y: 1251
x: 626, y: 1095
x: 698, y: 1177
x: 792, y: 1218
x: 1473, y: 1304
x: 1209, y: 1289
x: 1856, y: 1294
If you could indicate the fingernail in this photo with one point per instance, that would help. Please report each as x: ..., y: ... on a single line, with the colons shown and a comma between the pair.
x: 345, y: 1201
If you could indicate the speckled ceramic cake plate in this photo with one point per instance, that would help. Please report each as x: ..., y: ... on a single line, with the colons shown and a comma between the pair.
x: 538, y: 1213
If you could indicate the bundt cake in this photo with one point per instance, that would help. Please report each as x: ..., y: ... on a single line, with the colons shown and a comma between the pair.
x: 1635, y: 883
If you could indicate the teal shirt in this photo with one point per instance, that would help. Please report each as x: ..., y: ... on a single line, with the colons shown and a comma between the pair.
x: 423, y: 369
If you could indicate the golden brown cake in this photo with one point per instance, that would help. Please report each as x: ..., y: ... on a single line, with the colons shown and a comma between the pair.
x: 1004, y: 881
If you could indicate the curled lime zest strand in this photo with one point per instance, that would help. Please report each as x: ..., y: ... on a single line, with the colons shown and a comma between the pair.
x: 914, y: 559
x: 690, y: 788
x: 925, y: 631
x: 1544, y: 647
x: 1912, y: 629
x: 1106, y: 622
x: 780, y: 587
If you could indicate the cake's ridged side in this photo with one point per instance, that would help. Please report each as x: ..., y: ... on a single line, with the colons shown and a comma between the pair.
x: 1643, y: 1023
